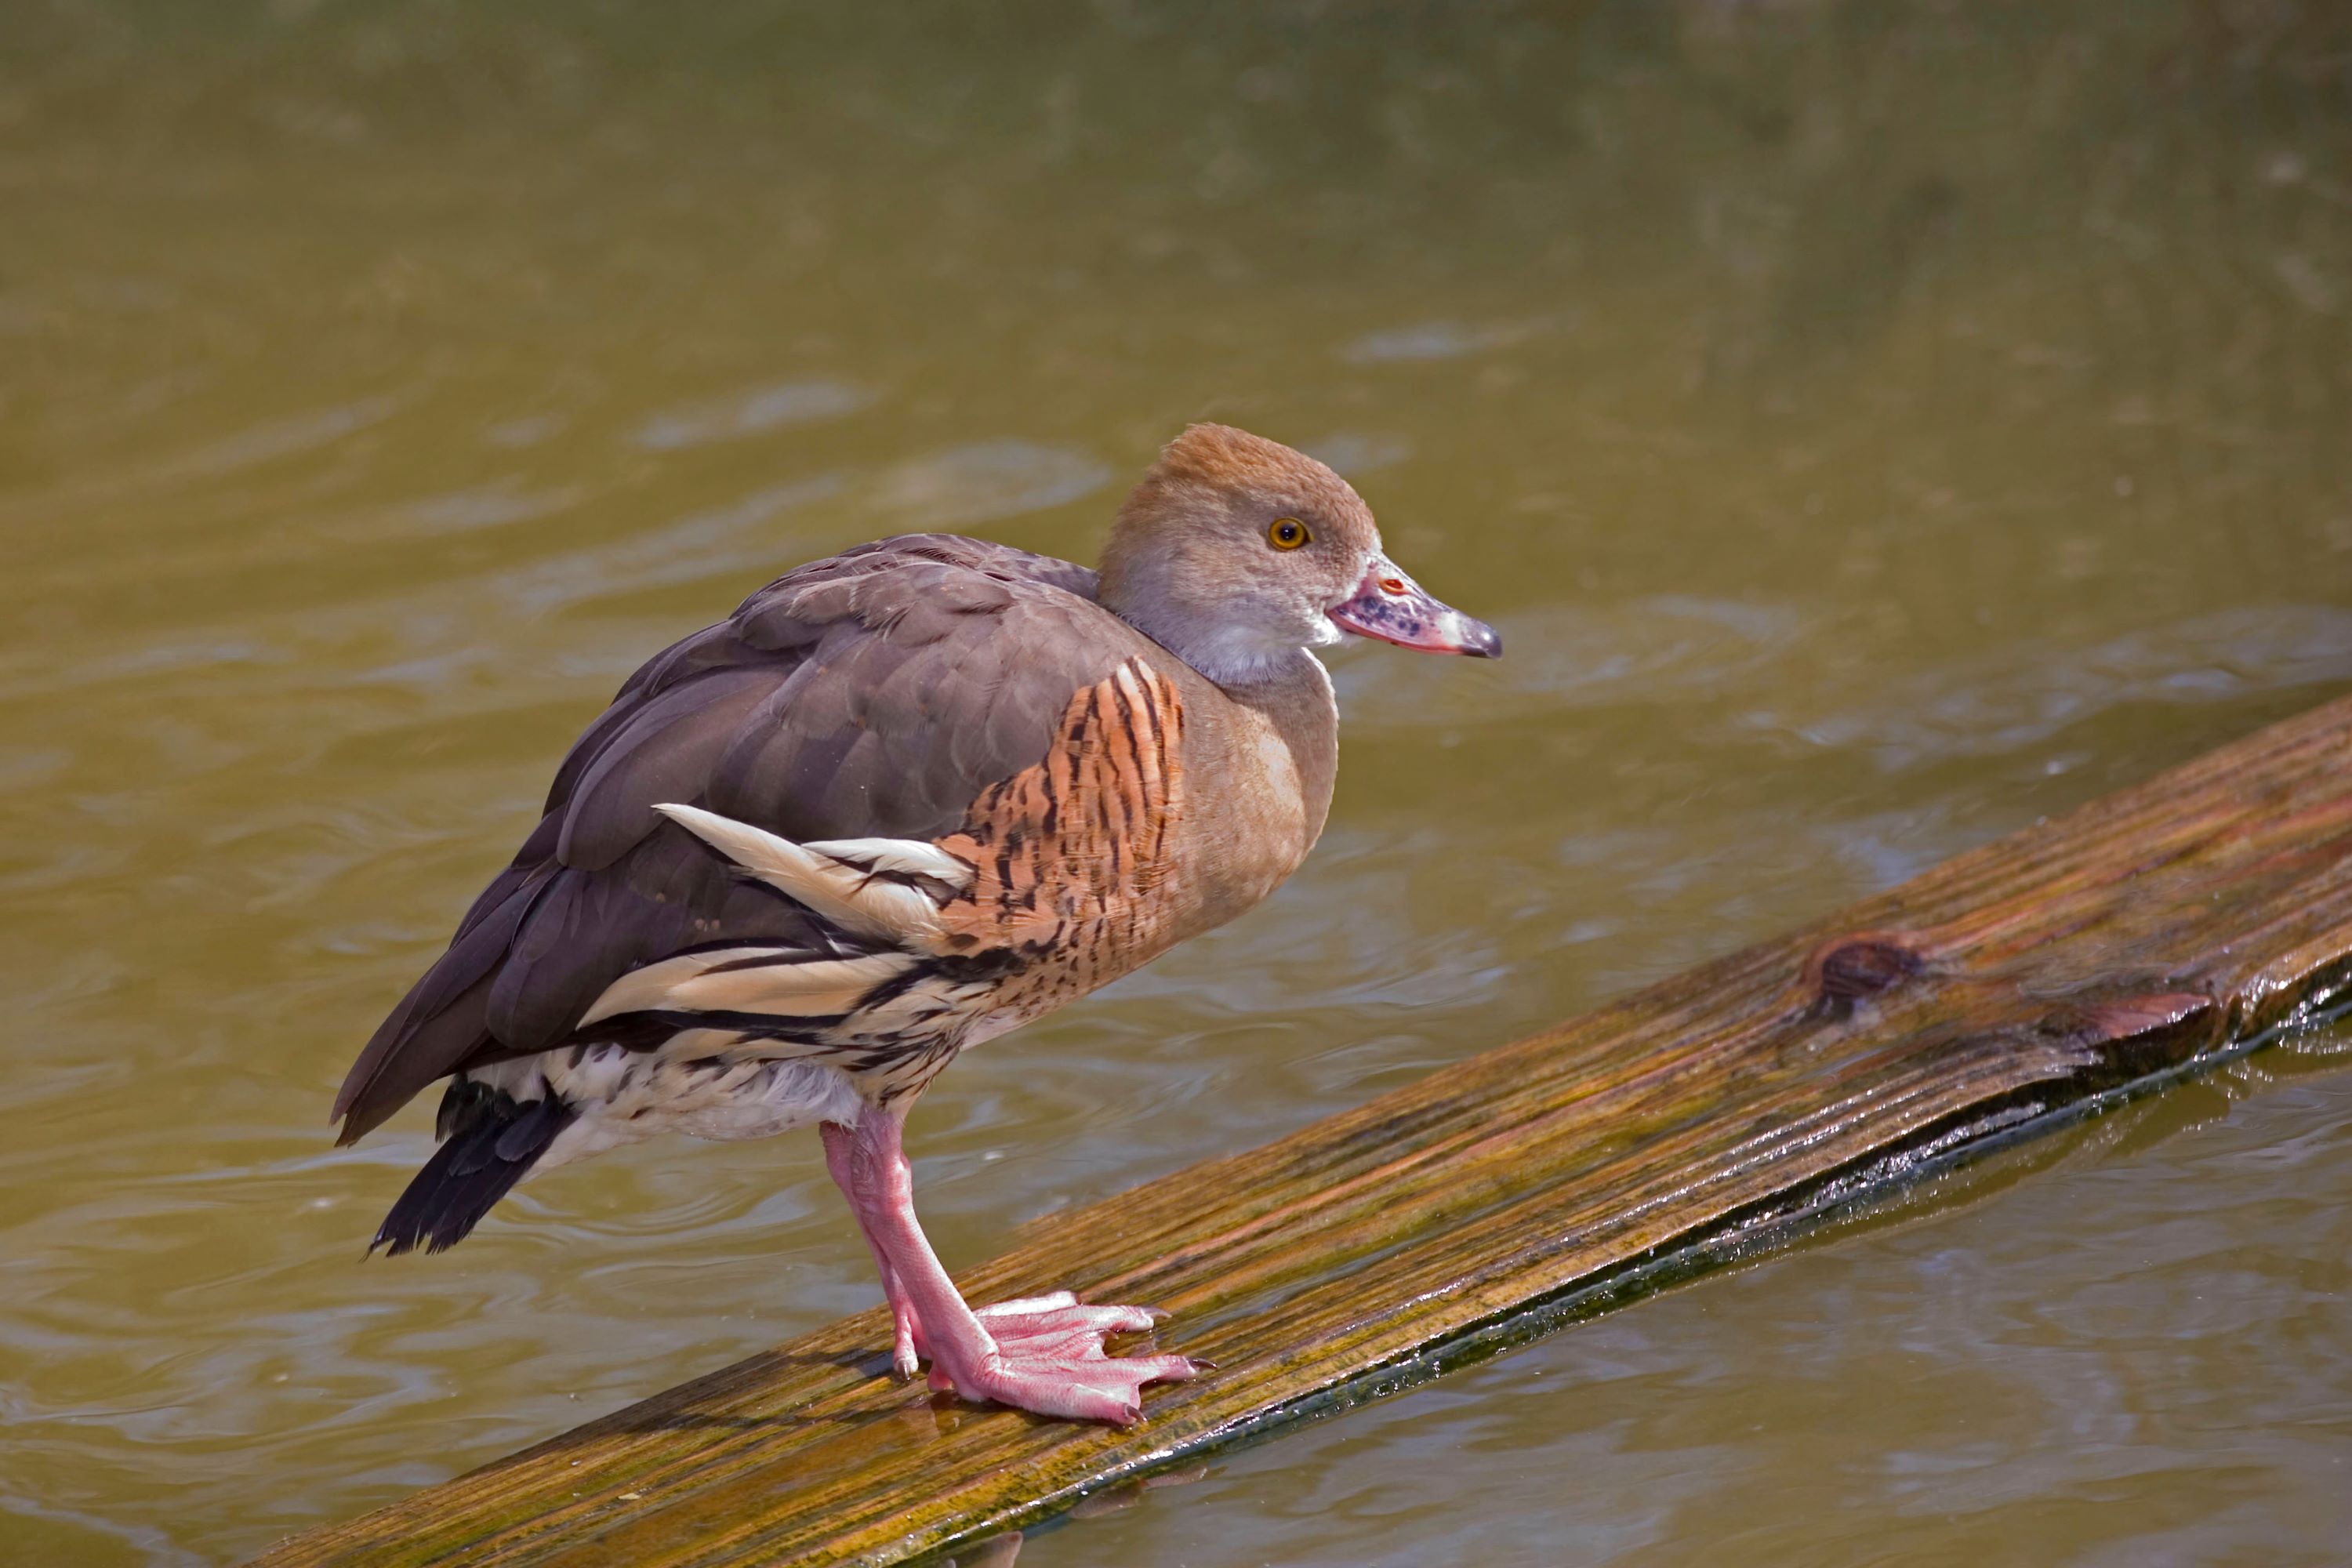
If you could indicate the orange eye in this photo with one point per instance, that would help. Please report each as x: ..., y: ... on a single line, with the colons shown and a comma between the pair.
x: 1286, y: 533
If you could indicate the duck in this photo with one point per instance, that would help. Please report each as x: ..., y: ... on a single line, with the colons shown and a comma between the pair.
x: 903, y: 800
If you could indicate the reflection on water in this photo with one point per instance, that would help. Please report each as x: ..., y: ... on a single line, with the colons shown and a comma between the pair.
x: 1871, y: 426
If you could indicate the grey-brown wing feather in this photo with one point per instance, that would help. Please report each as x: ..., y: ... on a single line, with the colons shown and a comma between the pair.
x: 874, y: 694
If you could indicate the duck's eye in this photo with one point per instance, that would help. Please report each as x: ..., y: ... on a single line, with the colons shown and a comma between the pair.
x: 1286, y: 533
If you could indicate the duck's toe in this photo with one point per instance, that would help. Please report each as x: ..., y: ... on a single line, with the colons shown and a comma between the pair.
x: 1039, y: 1324
x: 1084, y: 1388
x: 1052, y: 1326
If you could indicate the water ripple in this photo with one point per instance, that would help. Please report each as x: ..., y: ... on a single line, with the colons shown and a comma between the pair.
x: 751, y: 413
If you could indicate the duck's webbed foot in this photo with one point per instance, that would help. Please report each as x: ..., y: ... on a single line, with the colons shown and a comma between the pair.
x: 1039, y: 1354
x: 1048, y: 1358
x: 1056, y: 1325
x: 1084, y: 1384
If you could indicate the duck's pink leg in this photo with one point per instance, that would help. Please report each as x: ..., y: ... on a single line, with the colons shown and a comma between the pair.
x: 1043, y: 1354
x: 1053, y: 1318
x: 906, y: 1330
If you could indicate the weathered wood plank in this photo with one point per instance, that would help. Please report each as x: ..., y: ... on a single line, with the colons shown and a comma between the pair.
x: 2137, y: 936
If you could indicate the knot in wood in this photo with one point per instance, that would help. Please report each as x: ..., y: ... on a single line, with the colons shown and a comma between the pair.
x: 1850, y: 969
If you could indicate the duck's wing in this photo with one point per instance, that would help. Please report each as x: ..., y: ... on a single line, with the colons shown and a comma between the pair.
x: 877, y: 695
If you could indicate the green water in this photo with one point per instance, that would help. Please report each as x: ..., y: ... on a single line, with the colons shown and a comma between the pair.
x: 1872, y: 426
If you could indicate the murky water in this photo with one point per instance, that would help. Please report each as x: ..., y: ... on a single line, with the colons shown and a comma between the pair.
x: 1873, y: 426
x: 2133, y: 1346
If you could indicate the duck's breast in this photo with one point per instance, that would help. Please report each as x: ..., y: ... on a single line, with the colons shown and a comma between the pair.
x: 1264, y: 758
x: 1165, y: 806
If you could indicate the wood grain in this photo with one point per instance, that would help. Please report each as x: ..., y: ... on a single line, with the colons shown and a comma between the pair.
x: 2139, y: 938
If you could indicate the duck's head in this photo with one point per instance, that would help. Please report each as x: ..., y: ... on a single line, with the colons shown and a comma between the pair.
x: 1235, y: 551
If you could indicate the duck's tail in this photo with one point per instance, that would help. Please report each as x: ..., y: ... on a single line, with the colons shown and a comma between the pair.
x: 489, y: 1140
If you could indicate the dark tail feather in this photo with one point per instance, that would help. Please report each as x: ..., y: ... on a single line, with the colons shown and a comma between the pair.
x: 488, y: 1141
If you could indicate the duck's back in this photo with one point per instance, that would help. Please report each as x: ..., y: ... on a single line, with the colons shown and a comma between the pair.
x: 946, y: 695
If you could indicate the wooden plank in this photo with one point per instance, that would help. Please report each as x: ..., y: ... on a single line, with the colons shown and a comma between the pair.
x: 2141, y: 937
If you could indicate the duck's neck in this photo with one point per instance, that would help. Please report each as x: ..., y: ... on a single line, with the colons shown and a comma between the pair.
x: 1297, y: 700
x: 1229, y: 654
x: 1260, y: 760
x: 1232, y: 658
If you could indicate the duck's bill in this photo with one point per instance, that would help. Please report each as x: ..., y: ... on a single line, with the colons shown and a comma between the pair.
x: 1394, y: 608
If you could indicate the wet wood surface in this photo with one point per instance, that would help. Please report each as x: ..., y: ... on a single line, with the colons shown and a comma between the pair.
x: 1707, y: 1117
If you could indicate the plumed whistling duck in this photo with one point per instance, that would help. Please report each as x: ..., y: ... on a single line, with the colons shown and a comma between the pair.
x: 902, y: 801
